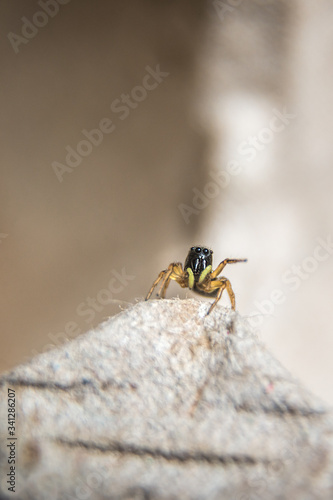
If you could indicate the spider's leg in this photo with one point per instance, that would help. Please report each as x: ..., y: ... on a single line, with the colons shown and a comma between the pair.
x: 231, y: 294
x: 156, y: 282
x: 165, y: 281
x: 176, y: 274
x: 222, y: 264
x: 221, y: 285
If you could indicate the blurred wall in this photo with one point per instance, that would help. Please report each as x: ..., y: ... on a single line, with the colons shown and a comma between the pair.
x: 214, y: 126
x: 83, y: 233
x: 269, y: 98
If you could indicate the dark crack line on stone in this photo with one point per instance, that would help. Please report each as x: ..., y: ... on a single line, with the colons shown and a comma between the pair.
x: 239, y: 407
x: 54, y: 386
x: 173, y: 456
x: 47, y: 385
x: 279, y: 410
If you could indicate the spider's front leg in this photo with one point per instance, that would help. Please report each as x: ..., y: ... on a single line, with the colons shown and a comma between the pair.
x: 222, y: 265
x: 174, y: 272
x: 177, y: 274
x: 222, y: 284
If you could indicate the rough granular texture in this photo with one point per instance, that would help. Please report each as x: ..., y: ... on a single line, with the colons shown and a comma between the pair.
x: 164, y: 402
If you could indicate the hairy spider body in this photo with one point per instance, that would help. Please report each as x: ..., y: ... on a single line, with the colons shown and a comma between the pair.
x: 198, y: 276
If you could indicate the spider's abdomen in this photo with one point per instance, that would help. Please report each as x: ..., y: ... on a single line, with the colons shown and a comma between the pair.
x: 198, y: 259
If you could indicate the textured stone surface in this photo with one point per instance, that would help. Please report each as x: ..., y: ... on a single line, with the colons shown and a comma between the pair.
x: 164, y: 402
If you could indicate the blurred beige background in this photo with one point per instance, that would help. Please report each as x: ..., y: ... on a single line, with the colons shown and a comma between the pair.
x: 216, y: 120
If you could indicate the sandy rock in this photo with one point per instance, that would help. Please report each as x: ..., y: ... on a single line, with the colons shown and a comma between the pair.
x: 164, y: 402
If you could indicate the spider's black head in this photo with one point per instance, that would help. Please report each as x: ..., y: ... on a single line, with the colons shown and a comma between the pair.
x: 198, y: 258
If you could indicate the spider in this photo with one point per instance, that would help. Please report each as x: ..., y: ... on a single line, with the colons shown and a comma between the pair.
x: 198, y: 276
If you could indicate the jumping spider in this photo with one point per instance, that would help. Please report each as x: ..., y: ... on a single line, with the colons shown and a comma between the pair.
x: 198, y: 276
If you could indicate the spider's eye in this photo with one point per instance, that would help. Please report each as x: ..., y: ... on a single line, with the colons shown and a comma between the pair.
x: 206, y: 251
x: 192, y: 248
x: 198, y: 249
